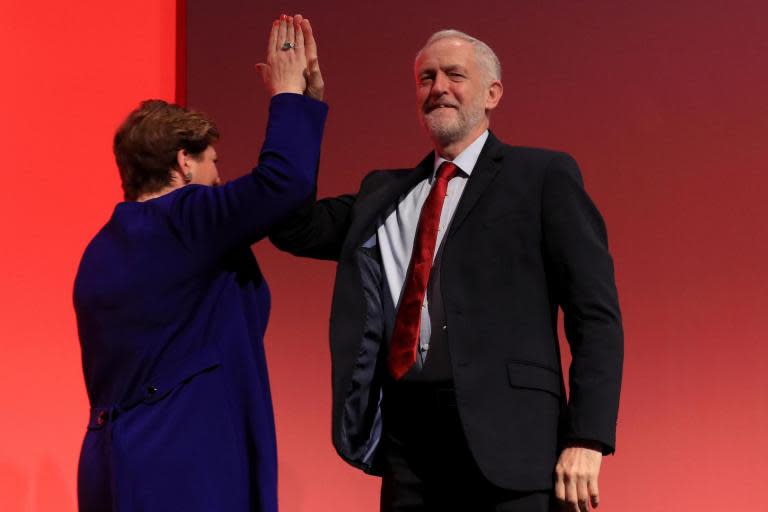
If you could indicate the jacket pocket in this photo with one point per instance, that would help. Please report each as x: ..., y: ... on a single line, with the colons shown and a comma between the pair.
x: 178, y: 373
x: 531, y: 376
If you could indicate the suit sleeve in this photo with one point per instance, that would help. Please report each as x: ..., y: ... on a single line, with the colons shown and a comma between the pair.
x: 580, y: 270
x: 317, y: 230
x: 212, y: 221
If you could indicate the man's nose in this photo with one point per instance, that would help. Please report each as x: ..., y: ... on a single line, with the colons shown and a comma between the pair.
x: 439, y: 85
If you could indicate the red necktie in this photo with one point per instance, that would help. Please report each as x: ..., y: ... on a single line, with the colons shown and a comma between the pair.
x: 405, y: 337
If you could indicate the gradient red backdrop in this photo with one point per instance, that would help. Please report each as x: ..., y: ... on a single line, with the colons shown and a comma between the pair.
x: 71, y: 72
x: 662, y: 103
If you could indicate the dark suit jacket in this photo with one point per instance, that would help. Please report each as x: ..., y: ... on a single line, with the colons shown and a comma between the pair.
x: 525, y: 240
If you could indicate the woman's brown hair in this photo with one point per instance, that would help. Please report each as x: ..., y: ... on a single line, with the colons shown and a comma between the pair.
x: 147, y: 142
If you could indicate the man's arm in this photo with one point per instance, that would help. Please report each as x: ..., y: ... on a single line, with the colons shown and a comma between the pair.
x: 581, y: 270
x: 317, y: 230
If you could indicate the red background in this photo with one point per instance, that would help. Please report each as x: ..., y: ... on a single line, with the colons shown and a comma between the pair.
x: 662, y: 104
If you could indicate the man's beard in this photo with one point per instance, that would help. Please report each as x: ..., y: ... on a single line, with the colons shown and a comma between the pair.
x: 446, y: 131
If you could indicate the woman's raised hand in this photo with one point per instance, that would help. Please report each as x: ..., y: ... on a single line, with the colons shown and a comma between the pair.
x: 286, y: 66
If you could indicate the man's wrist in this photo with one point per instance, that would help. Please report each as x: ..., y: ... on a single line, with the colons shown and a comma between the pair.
x: 585, y: 443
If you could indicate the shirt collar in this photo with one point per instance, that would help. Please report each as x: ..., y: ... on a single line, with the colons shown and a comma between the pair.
x: 467, y: 159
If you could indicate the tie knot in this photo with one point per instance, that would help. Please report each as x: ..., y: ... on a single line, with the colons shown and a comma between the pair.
x: 446, y: 171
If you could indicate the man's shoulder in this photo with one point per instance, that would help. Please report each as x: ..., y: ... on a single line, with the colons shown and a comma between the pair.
x: 532, y: 161
x: 379, y: 177
x: 528, y: 154
x: 385, y: 174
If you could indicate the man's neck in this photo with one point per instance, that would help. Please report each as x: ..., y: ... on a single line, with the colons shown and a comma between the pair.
x: 453, y: 149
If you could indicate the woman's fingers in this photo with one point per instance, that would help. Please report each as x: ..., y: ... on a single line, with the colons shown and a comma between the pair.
x: 286, y: 66
x: 272, y: 41
x: 290, y: 35
x: 281, y: 32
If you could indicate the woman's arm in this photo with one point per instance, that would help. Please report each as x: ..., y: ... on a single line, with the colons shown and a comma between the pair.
x: 215, y: 220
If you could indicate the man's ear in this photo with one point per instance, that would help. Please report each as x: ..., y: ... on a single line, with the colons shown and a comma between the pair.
x: 495, y: 91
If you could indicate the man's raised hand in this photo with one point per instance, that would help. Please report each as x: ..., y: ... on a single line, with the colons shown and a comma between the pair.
x: 315, y: 84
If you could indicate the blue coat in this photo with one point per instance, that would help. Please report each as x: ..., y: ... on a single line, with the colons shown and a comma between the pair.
x: 171, y: 309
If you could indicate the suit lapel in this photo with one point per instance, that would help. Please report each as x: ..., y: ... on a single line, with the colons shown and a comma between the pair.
x: 399, y: 183
x: 486, y: 168
x: 387, y: 195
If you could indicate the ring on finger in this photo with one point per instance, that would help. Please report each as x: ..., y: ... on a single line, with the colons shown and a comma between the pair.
x: 288, y: 46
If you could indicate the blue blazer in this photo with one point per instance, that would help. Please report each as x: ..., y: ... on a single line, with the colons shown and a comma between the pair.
x: 171, y: 309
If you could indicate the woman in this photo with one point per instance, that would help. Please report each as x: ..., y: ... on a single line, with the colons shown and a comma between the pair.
x: 172, y: 307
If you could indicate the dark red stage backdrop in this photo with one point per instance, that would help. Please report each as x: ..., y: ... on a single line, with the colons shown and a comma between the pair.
x: 662, y: 103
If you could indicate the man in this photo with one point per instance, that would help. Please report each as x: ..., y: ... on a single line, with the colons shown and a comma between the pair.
x: 446, y: 368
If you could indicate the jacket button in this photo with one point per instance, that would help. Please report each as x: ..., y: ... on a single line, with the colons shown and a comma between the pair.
x: 151, y: 390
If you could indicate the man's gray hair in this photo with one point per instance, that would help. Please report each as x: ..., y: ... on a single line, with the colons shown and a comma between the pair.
x: 483, y: 52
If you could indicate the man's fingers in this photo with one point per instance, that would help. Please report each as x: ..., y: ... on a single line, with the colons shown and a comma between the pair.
x: 582, y: 495
x: 571, y: 496
x: 559, y: 489
x: 310, y: 46
x: 578, y: 467
x: 566, y: 492
x: 594, y: 492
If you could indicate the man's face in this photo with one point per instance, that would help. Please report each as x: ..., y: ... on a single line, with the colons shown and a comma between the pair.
x: 203, y: 168
x: 451, y: 91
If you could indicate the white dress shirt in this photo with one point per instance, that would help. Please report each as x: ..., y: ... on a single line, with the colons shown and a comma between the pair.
x: 397, y: 231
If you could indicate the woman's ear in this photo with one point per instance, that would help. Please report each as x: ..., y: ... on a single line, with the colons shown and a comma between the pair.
x: 182, y: 160
x: 183, y: 170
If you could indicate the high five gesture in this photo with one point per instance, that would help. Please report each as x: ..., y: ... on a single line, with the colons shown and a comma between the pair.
x: 292, y: 64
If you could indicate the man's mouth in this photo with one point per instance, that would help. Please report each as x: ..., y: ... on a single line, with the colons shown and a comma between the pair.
x: 430, y: 108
